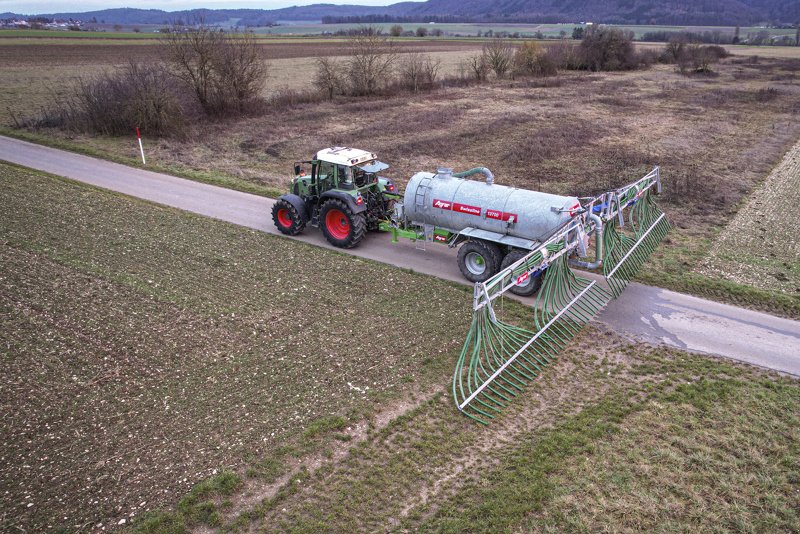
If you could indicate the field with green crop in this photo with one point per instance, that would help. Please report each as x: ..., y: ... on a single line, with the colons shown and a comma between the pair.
x: 169, y: 372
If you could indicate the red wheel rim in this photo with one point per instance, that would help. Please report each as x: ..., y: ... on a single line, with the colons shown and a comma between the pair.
x: 337, y: 224
x: 284, y: 219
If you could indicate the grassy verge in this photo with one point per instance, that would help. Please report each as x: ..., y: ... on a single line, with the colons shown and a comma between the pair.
x: 715, y: 451
x: 176, y: 169
x: 672, y: 267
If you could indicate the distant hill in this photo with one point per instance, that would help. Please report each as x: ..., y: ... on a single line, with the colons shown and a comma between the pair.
x: 671, y: 12
x: 667, y: 12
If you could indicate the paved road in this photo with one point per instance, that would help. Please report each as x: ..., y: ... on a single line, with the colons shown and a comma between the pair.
x: 646, y: 313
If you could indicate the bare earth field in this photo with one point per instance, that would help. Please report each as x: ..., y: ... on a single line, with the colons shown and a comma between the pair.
x: 761, y: 235
x: 147, y: 351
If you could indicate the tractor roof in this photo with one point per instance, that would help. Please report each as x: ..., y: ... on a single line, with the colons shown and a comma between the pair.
x: 340, y: 155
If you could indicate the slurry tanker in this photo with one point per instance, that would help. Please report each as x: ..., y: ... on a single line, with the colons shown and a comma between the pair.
x: 508, y: 239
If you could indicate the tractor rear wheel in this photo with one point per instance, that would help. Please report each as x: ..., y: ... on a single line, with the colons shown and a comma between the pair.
x: 341, y: 227
x: 479, y: 260
x: 532, y: 284
x: 286, y: 218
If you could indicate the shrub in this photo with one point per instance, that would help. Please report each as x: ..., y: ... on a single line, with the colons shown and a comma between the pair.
x: 328, y: 76
x: 605, y: 49
x: 564, y: 55
x: 369, y: 67
x: 476, y: 67
x: 418, y: 71
x: 531, y: 60
x: 116, y: 102
x: 498, y: 55
x: 695, y: 58
x: 396, y: 30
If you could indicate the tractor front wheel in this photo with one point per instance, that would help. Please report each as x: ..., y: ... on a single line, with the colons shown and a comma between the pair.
x: 531, y: 284
x: 341, y: 227
x: 286, y: 218
x: 479, y: 260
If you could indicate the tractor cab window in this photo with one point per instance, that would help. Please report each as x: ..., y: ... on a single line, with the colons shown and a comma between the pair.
x: 362, y: 178
x: 325, y: 174
x: 302, y: 168
x: 345, y: 176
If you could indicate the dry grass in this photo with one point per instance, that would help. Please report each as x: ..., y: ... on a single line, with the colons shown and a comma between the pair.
x: 716, y: 138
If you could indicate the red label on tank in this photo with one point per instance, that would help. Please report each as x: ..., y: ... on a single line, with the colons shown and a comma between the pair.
x: 494, y: 214
x: 466, y: 208
x: 521, y: 279
x: 500, y: 215
x: 439, y: 237
x: 443, y: 205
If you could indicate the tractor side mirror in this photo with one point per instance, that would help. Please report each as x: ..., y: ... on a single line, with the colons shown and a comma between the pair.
x: 297, y: 170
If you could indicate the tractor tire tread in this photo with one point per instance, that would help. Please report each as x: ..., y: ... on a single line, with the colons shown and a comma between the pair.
x: 358, y: 224
x: 491, y: 254
x: 298, y: 223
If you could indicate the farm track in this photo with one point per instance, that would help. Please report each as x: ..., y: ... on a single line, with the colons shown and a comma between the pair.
x: 647, y: 313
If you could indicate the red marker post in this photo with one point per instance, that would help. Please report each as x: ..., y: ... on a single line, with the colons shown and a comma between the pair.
x: 141, y: 148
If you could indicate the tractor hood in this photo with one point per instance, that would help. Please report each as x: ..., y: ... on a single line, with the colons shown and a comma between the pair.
x: 372, y: 168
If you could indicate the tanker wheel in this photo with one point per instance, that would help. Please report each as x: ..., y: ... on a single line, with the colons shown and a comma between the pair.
x: 479, y: 260
x: 286, y: 218
x: 341, y: 227
x: 529, y: 286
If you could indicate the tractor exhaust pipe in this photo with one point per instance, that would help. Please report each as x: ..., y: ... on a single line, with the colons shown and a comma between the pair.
x: 598, y: 244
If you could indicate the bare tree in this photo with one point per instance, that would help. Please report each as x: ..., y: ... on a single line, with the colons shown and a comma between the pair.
x: 328, y: 76
x: 372, y: 58
x: 241, y: 70
x: 476, y: 67
x: 225, y: 72
x: 418, y: 71
x: 498, y: 54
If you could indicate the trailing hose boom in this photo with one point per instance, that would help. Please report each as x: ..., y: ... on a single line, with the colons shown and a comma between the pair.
x: 499, y: 359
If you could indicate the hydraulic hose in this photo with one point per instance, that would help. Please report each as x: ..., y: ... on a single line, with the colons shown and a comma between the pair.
x: 477, y: 170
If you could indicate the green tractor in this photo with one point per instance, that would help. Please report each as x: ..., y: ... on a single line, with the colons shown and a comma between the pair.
x: 340, y: 192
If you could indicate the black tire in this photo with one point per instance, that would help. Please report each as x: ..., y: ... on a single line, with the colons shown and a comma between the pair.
x: 341, y: 227
x: 532, y: 285
x: 479, y: 260
x: 286, y: 218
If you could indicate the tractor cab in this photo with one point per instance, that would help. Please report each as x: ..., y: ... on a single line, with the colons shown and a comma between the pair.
x: 341, y: 168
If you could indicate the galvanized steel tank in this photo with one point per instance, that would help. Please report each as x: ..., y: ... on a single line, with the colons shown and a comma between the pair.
x: 457, y: 203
